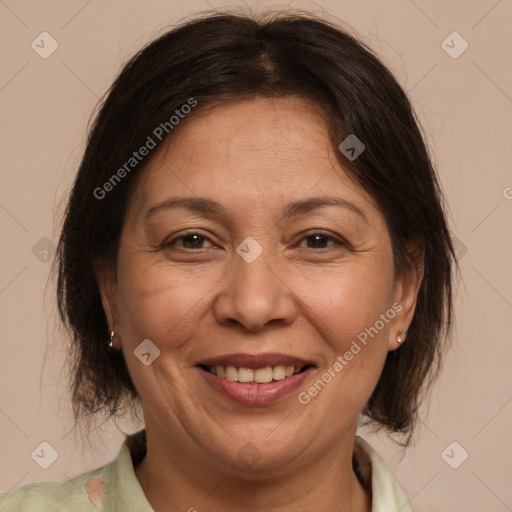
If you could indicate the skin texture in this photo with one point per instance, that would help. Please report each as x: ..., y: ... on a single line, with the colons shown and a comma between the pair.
x: 197, y: 298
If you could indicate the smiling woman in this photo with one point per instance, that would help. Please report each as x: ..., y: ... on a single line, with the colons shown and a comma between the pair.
x: 281, y: 242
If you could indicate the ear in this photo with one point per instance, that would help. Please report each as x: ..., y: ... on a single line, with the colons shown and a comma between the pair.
x: 406, y: 289
x: 106, y: 284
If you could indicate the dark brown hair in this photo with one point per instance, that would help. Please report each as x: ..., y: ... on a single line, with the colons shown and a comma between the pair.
x: 224, y: 56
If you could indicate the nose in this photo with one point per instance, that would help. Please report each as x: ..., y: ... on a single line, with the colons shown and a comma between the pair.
x: 255, y: 294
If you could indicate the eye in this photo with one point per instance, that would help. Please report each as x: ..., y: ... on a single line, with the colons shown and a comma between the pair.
x: 319, y: 239
x: 193, y: 239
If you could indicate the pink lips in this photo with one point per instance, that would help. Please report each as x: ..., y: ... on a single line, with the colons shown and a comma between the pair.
x: 253, y: 393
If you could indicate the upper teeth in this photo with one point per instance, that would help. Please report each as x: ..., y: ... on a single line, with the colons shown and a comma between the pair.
x: 261, y: 375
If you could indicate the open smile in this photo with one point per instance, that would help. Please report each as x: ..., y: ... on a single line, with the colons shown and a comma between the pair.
x: 255, y: 380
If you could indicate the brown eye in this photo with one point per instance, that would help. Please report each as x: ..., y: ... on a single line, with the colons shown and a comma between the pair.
x: 189, y: 241
x: 319, y: 241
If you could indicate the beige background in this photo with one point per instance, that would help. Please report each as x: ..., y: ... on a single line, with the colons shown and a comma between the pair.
x: 465, y: 106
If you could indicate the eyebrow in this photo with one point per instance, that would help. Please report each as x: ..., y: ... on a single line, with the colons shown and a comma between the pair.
x: 209, y: 207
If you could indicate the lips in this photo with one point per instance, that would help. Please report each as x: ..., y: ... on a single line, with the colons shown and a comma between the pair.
x: 255, y: 379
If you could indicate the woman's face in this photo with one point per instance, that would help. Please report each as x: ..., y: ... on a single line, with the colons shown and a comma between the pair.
x: 250, y: 272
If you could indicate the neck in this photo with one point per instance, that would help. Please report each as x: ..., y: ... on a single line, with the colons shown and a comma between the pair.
x: 172, y: 479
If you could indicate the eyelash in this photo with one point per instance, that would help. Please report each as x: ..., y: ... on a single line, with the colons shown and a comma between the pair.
x: 309, y: 235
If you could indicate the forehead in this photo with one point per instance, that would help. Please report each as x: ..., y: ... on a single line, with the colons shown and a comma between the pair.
x: 255, y: 150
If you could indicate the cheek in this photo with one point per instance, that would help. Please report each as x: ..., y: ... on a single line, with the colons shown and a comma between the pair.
x: 346, y: 302
x: 347, y: 314
x: 158, y: 302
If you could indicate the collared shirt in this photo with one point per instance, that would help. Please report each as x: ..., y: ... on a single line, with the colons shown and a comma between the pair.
x: 114, y: 487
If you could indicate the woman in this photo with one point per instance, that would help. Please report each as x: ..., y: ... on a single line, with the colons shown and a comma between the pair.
x: 255, y: 252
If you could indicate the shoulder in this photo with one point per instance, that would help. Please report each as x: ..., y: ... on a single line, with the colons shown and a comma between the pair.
x: 98, y: 489
x: 387, y: 494
x: 78, y: 494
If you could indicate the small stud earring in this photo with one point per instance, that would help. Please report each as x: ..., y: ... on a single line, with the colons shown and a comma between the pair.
x: 399, y: 338
x: 110, y: 345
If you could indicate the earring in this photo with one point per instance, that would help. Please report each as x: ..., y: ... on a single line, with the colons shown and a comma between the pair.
x: 399, y: 338
x: 110, y: 344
